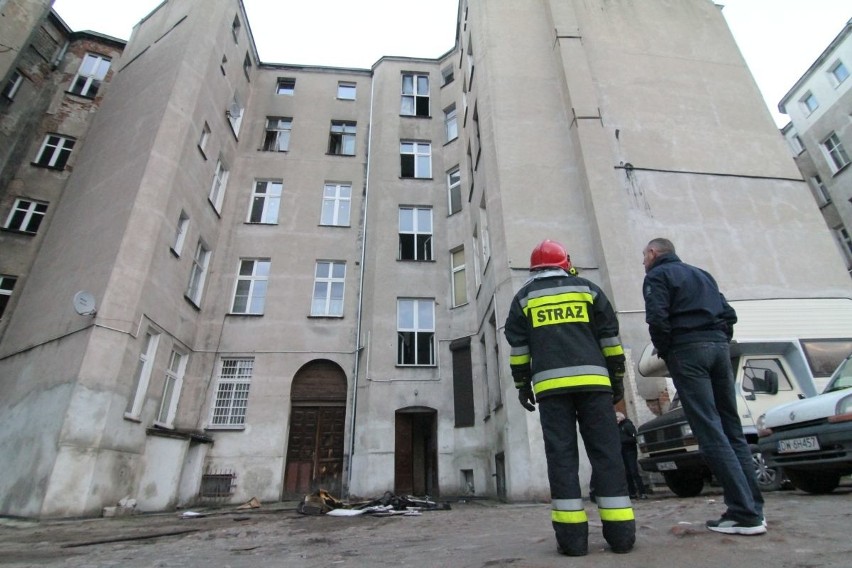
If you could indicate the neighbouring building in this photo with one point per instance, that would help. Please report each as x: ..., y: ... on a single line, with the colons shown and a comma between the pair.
x: 819, y: 133
x: 258, y: 279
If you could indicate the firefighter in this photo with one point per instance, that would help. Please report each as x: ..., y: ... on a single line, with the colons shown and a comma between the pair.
x: 566, y: 356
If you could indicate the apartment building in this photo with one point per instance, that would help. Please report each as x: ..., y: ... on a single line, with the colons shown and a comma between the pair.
x: 265, y: 278
x: 820, y: 136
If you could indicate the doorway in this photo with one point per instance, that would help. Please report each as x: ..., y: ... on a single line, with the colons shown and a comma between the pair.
x: 416, y: 452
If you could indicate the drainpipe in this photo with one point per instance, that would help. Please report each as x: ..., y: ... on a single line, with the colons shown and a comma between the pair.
x: 360, y: 293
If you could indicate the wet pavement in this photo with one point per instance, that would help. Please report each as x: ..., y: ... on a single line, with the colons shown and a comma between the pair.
x: 805, y: 531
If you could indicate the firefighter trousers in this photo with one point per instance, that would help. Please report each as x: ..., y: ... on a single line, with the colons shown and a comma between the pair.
x: 593, y: 412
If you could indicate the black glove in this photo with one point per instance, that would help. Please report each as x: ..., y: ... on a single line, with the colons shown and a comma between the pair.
x: 617, y: 392
x: 527, y: 397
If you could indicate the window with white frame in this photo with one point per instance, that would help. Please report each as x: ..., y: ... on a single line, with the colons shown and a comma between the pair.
x: 252, y: 282
x: 171, y: 389
x: 265, y: 202
x: 447, y: 75
x: 92, y: 71
x: 142, y: 375
x: 217, y: 188
x: 415, y: 233
x: 415, y: 330
x: 277, y: 135
x: 809, y: 102
x: 180, y: 232
x: 346, y: 90
x: 336, y: 204
x: 232, y: 391
x: 796, y: 144
x: 205, y: 137
x: 55, y: 151
x: 198, y: 274
x: 845, y: 241
x: 285, y: 86
x: 477, y: 273
x: 10, y: 89
x: 823, y: 196
x: 415, y: 159
x: 838, y: 73
x: 458, y: 277
x: 26, y: 216
x: 415, y: 95
x: 451, y: 125
x: 7, y: 285
x: 484, y: 236
x: 837, y: 156
x: 454, y: 190
x: 341, y: 139
x: 329, y: 281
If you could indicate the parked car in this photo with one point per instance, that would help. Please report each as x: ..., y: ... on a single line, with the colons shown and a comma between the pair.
x: 812, y: 438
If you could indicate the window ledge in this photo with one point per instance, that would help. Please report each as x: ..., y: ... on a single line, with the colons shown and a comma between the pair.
x: 191, y: 302
x: 418, y: 178
x: 322, y: 316
x: 37, y: 165
x: 240, y: 314
x: 87, y: 97
x: 335, y: 226
x: 841, y: 170
x: 232, y: 427
x: 175, y: 253
x: 341, y: 155
x: 18, y: 231
x: 200, y: 149
x: 132, y: 418
x: 421, y: 116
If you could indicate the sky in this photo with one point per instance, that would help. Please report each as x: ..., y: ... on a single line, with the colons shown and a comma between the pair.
x: 779, y: 39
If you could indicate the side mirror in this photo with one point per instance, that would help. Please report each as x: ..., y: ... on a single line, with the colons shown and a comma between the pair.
x: 771, y: 378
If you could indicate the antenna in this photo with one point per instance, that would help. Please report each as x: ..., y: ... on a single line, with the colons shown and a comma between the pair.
x: 84, y: 303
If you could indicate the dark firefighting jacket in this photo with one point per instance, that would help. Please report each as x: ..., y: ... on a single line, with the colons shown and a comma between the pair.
x: 563, y: 334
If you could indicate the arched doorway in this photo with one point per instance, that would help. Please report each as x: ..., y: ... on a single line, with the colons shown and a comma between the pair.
x: 317, y: 420
x: 416, y: 452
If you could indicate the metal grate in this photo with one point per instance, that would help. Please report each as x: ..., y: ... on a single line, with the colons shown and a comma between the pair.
x: 218, y: 484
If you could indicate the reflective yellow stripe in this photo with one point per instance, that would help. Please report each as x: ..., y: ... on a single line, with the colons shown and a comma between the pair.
x: 519, y: 359
x: 611, y: 351
x: 559, y: 298
x: 575, y: 381
x: 569, y: 517
x: 617, y: 514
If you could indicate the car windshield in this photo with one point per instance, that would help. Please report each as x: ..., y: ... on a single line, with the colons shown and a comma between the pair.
x: 842, y: 377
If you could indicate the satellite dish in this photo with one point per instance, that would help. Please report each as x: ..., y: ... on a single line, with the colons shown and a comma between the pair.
x: 84, y: 303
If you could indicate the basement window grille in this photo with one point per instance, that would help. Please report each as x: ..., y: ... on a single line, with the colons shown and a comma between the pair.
x: 218, y: 484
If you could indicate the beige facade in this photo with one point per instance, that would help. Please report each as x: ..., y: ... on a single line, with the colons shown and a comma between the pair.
x: 820, y: 137
x: 209, y: 222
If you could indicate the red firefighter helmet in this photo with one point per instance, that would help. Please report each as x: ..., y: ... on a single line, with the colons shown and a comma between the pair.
x: 549, y: 254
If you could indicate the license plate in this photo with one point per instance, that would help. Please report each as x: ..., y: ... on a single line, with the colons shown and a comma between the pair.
x: 666, y: 466
x: 806, y: 444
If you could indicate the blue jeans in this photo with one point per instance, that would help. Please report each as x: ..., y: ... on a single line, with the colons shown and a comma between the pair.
x: 704, y: 381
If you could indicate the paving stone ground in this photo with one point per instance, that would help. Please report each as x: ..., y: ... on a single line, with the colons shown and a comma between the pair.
x: 805, y: 531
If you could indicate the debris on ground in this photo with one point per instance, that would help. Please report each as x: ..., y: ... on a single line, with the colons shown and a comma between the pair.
x: 321, y: 502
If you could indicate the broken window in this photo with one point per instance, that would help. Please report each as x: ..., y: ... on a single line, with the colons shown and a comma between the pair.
x: 285, y: 86
x: 415, y: 95
x: 277, y: 135
x: 415, y: 233
x: 88, y: 79
x: 415, y: 159
x: 341, y: 140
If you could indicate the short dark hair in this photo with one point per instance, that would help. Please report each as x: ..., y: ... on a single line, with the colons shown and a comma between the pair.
x: 662, y: 245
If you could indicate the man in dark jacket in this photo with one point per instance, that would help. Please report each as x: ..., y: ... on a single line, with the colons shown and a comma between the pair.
x: 691, y: 324
x: 566, y: 355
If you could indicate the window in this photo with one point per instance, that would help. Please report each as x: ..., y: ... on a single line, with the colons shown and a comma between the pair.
x: 235, y: 28
x: 454, y: 190
x: 277, y: 136
x: 143, y: 374
x: 7, y: 284
x: 180, y: 232
x: 336, y: 204
x: 451, y: 126
x: 447, y: 75
x: 463, y: 397
x: 247, y: 65
x: 346, y: 91
x: 837, y: 156
x: 235, y: 115
x: 477, y: 279
x: 217, y: 189
x: 265, y: 202
x: 485, y: 238
x: 415, y: 324
x: 415, y: 233
x: 796, y: 144
x: 810, y: 102
x: 205, y: 137
x: 12, y: 85
x: 415, y: 95
x: 341, y: 141
x: 232, y: 392
x: 26, y: 216
x: 250, y: 292
x: 415, y: 160
x: 88, y: 79
x: 329, y: 279
x: 198, y: 273
x: 458, y: 277
x: 285, y: 86
x: 838, y: 72
x: 823, y: 196
x: 171, y: 389
x: 845, y: 241
x: 223, y: 64
x: 54, y: 151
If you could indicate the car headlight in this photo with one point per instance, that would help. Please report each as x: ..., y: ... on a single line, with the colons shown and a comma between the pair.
x: 843, y: 410
x: 761, y: 422
x: 685, y: 431
x: 640, y: 439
